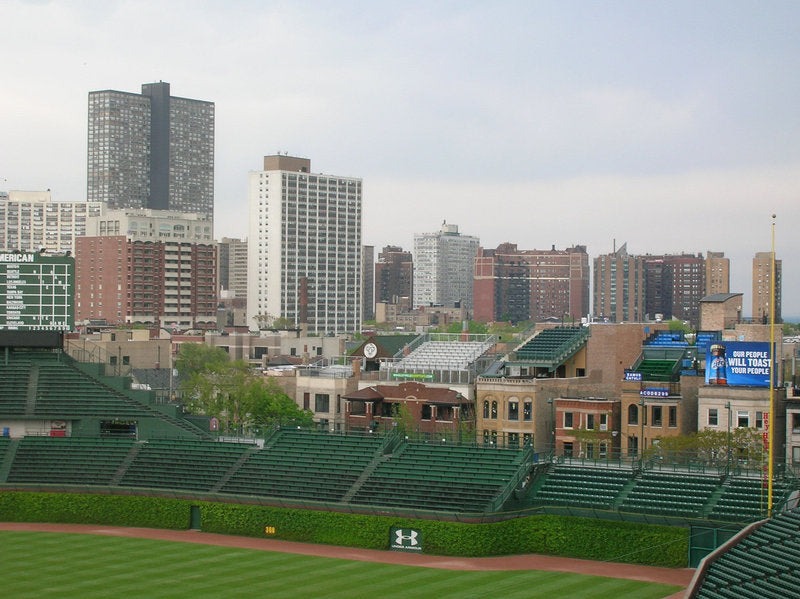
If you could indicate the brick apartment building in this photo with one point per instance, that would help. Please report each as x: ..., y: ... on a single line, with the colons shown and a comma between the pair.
x: 394, y: 275
x: 520, y: 285
x: 149, y: 267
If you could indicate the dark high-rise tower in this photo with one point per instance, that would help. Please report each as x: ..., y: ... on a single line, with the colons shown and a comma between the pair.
x: 151, y: 150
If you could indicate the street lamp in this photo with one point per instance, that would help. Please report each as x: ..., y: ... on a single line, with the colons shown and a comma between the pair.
x: 553, y: 421
x: 728, y: 459
x: 642, y: 415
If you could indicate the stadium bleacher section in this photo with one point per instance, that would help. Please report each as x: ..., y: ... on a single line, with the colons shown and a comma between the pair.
x: 686, y: 495
x: 436, y: 477
x: 44, y: 385
x: 68, y: 460
x: 293, y: 464
x: 670, y: 494
x: 304, y: 465
x: 583, y: 487
x: 744, y: 498
x: 169, y: 464
x: 378, y: 472
x: 761, y: 564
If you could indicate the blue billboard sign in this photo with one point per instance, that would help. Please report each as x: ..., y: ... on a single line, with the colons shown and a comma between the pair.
x: 738, y: 363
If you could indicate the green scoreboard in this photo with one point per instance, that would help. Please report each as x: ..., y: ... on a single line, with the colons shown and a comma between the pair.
x: 37, y: 292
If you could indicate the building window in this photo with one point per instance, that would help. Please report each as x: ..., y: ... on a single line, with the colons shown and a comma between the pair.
x: 713, y: 417
x: 513, y: 410
x: 742, y: 419
x: 568, y: 418
x: 759, y: 419
x: 568, y: 449
x: 494, y: 438
x: 426, y: 412
x: 321, y: 402
x: 590, y: 451
x: 796, y: 454
x: 494, y: 410
x: 673, y: 416
x: 527, y: 439
x: 527, y: 410
x: 656, y: 420
x: 633, y: 445
x: 485, y: 408
x: 633, y: 414
x: 513, y: 440
x: 590, y: 422
x: 603, y: 422
x: 796, y: 423
x: 306, y: 401
x: 485, y: 437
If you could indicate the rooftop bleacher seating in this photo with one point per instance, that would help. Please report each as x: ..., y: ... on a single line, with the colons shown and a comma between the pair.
x: 444, y: 355
x: 657, y: 370
x: 552, y: 345
x: 666, y: 339
x: 706, y: 338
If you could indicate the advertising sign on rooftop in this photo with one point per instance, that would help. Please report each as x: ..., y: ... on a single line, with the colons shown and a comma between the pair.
x: 738, y: 363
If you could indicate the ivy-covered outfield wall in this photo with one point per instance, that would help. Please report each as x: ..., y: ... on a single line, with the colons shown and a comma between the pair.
x: 585, y: 538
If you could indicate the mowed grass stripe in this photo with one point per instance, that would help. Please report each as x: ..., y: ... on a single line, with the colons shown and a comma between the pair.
x: 39, y: 564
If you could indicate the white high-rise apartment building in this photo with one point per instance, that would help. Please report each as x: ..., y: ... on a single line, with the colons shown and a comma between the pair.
x: 304, y: 248
x: 32, y: 220
x: 444, y: 264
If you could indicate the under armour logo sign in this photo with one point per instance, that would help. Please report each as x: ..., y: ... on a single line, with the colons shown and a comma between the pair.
x: 409, y: 540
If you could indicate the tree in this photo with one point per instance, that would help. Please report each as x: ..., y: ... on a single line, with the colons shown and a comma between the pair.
x: 678, y: 326
x: 242, y: 401
x: 710, y: 447
x: 198, y: 357
x: 402, y: 418
x: 473, y: 327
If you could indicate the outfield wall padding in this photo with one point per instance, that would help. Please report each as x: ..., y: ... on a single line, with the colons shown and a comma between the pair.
x: 584, y: 538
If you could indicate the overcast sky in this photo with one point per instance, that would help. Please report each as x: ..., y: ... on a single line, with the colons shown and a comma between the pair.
x: 673, y: 126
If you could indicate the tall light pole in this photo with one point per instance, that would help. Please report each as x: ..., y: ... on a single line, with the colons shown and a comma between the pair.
x: 771, y: 369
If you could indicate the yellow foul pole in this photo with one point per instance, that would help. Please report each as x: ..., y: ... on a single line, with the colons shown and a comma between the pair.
x: 771, y: 369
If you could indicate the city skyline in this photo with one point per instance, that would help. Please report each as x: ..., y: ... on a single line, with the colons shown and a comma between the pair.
x: 669, y: 127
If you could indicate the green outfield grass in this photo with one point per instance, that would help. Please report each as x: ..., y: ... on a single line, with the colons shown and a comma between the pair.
x: 38, y: 564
